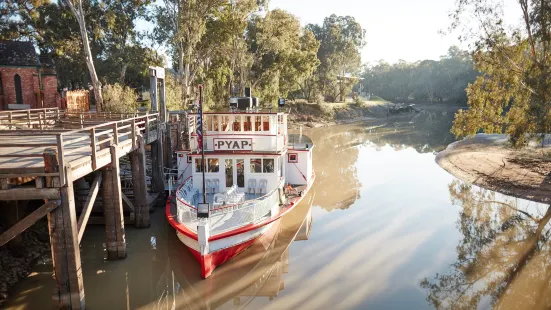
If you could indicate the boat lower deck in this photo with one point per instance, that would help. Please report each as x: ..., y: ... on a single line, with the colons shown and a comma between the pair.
x: 256, y: 210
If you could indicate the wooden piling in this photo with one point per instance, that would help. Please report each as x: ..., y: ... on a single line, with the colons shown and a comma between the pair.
x: 168, y: 147
x: 62, y: 223
x: 112, y: 205
x: 137, y: 160
x: 157, y: 165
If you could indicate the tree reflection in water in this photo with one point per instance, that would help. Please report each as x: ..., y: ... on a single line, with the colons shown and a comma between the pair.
x: 337, y: 149
x: 503, y: 259
x: 335, y: 157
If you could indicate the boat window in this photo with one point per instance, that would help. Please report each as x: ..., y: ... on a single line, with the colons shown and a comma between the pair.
x: 206, y: 122
x: 229, y: 172
x: 237, y: 123
x: 240, y: 166
x: 248, y: 123
x: 268, y: 165
x: 215, y: 123
x: 266, y: 122
x: 258, y: 123
x: 280, y: 124
x: 256, y: 165
x: 198, y: 165
x: 293, y: 158
x: 213, y: 165
x: 225, y: 123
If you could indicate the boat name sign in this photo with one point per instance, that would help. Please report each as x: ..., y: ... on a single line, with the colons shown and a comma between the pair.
x: 233, y: 144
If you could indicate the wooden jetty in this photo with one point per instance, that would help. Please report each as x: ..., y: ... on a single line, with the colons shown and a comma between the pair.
x: 45, y: 152
x: 72, y: 162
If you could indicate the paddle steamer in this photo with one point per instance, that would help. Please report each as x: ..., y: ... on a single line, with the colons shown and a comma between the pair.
x: 243, y: 172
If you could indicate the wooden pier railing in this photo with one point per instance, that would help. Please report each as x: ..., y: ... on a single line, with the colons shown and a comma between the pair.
x: 54, y: 117
x: 75, y: 148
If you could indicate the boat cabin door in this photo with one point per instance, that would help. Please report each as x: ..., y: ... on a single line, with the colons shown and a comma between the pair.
x: 235, y: 172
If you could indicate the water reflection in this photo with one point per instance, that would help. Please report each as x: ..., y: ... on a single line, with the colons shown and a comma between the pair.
x: 335, y: 155
x: 427, y: 131
x: 337, y: 150
x: 503, y: 258
x: 255, y: 273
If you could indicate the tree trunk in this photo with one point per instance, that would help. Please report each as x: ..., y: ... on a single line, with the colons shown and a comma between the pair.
x: 79, y: 15
x: 123, y: 73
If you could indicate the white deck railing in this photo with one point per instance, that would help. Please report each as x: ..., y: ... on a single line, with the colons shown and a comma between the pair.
x: 248, y: 212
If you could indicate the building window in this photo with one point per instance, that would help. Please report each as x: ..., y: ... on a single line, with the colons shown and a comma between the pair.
x: 18, y: 90
x: 189, y: 159
x: 1, y: 86
x: 268, y: 165
x: 198, y: 165
x: 213, y: 165
x: 293, y: 158
x: 256, y: 165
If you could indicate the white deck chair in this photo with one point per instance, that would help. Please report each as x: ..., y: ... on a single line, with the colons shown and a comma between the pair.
x: 262, y: 186
x: 215, y: 186
x: 208, y: 185
x: 252, y: 186
x: 218, y: 200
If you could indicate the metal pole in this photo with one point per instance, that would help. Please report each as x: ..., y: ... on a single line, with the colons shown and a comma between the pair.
x: 202, y: 143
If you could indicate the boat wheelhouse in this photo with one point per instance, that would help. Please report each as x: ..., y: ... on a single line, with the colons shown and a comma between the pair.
x: 253, y: 173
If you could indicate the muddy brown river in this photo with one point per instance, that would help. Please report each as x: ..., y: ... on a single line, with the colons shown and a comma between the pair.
x: 383, y: 228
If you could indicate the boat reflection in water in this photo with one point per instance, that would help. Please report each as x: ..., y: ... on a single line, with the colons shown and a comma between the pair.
x: 254, y: 273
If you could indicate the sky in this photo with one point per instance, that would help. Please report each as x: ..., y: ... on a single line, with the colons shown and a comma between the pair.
x: 396, y: 29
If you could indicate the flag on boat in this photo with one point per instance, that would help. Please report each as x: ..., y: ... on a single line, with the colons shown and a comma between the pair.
x: 200, y: 124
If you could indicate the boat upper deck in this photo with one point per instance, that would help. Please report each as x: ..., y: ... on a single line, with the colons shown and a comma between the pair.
x: 241, y: 131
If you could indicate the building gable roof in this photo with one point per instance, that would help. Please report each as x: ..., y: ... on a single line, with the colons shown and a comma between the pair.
x: 14, y: 53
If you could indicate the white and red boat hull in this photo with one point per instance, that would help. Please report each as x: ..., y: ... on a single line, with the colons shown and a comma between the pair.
x: 225, y: 246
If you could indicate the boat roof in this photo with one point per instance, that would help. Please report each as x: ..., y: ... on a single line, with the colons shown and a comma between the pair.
x: 299, y: 142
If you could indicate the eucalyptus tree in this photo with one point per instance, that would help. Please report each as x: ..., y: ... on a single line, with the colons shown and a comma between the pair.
x: 284, y: 54
x: 513, y: 93
x: 435, y: 81
x: 76, y: 7
x: 341, y: 40
x: 120, y: 39
x: 181, y: 24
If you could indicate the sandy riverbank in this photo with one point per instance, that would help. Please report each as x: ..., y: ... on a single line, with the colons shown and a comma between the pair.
x: 490, y: 162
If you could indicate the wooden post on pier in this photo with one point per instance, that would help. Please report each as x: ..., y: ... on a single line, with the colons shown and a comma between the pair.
x: 62, y: 223
x: 153, y: 88
x: 168, y: 147
x: 112, y: 208
x: 137, y: 161
x: 157, y: 162
x: 179, y: 131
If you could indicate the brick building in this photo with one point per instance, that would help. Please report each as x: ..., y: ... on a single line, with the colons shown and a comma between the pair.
x: 26, y: 81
